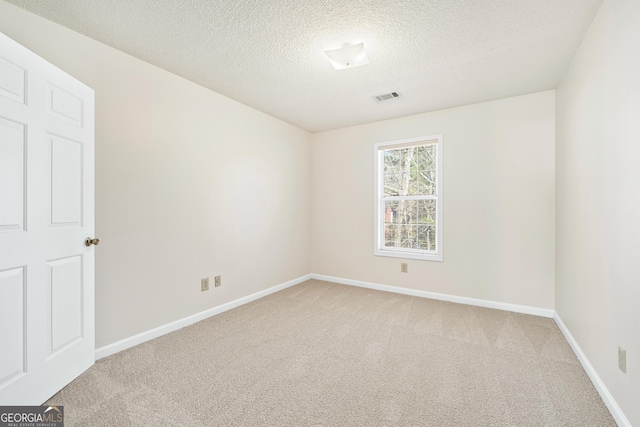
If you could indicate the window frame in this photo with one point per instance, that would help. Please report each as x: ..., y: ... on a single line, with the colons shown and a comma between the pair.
x: 378, y: 199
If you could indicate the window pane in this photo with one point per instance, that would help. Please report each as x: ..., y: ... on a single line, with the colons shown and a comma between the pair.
x: 426, y: 237
x: 410, y: 224
x: 390, y: 212
x: 426, y: 212
x: 397, y: 214
x: 424, y: 168
x: 399, y: 176
x: 409, y: 236
x: 391, y: 239
x: 393, y: 173
x: 410, y: 171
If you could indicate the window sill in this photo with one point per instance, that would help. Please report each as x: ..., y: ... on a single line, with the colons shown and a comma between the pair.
x: 408, y: 255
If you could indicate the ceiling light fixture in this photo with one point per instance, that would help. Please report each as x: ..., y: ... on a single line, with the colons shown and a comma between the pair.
x: 348, y: 56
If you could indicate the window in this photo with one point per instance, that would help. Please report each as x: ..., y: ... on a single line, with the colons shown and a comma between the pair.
x: 408, y: 198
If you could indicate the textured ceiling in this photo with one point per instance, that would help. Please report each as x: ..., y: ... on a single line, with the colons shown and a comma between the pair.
x: 268, y: 54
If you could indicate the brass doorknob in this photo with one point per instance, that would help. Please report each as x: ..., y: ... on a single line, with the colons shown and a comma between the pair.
x: 89, y: 241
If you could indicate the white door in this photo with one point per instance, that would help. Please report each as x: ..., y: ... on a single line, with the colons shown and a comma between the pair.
x: 46, y: 212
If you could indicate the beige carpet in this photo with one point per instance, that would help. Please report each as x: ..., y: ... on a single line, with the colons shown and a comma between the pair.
x: 323, y: 354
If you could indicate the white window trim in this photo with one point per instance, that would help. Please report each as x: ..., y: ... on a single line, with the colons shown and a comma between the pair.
x: 378, y: 225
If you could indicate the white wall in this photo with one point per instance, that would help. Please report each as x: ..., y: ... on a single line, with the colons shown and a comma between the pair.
x: 598, y: 199
x: 498, y: 202
x: 189, y: 184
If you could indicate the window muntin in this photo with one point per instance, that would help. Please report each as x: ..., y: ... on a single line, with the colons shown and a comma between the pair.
x: 408, y: 197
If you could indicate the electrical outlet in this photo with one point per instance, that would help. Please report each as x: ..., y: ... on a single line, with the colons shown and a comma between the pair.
x: 622, y: 359
x: 404, y: 267
x: 217, y: 282
x: 204, y: 284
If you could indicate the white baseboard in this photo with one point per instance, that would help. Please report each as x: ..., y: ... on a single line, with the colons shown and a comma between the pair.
x: 606, y: 396
x: 134, y: 340
x: 536, y: 311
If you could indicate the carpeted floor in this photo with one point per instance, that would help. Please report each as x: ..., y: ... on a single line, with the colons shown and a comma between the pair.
x: 324, y: 354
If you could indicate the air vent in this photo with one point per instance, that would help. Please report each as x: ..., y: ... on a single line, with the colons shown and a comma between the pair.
x: 386, y: 96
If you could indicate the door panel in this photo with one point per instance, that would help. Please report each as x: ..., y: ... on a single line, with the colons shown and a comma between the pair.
x: 65, y: 179
x: 46, y: 212
x: 12, y: 81
x: 66, y: 302
x: 64, y: 105
x: 12, y: 311
x: 12, y: 175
